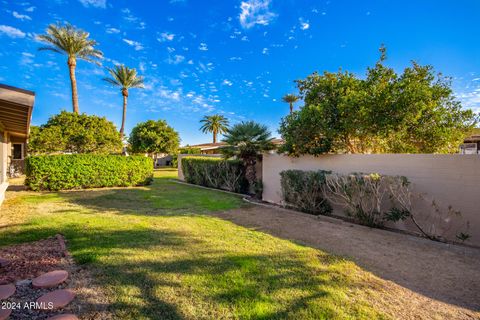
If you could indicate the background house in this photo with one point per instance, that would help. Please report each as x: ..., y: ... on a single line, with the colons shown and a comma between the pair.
x: 15, y: 113
x: 471, y: 144
x: 213, y: 148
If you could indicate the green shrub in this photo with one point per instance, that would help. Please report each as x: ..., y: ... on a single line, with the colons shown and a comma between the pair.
x: 305, y: 190
x: 78, y: 171
x: 185, y: 150
x: 215, y: 173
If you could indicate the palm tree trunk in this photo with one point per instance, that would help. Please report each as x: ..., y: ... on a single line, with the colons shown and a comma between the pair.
x: 124, y: 116
x: 214, y: 136
x: 72, y: 63
x: 291, y: 107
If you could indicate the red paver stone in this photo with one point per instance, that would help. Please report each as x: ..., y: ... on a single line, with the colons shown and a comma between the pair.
x: 6, y: 291
x: 4, y: 262
x: 5, y: 313
x: 64, y: 317
x: 50, y: 279
x: 56, y: 299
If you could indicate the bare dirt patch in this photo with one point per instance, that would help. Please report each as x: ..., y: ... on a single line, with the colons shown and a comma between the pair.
x: 425, y: 279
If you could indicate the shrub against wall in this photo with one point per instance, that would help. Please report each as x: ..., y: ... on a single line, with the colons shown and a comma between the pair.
x: 215, y: 173
x: 305, y: 190
x: 369, y: 199
x: 78, y: 171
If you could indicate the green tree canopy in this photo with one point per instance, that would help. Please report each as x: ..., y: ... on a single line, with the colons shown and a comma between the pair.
x: 125, y: 78
x: 414, y: 112
x: 215, y: 124
x: 75, y: 44
x: 247, y: 140
x: 154, y: 137
x: 76, y: 133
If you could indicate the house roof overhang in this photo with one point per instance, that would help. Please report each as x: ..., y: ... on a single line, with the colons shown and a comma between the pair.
x: 16, y: 107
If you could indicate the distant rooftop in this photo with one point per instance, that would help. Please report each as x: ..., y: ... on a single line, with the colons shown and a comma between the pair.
x: 212, y: 146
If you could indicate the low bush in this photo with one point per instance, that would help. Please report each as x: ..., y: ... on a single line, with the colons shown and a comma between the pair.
x: 361, y: 195
x: 79, y: 171
x: 305, y: 190
x: 215, y: 173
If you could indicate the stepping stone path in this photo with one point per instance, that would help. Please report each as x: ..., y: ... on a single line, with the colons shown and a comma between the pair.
x: 64, y: 317
x: 59, y: 299
x: 5, y: 313
x: 4, y: 262
x: 50, y: 279
x: 6, y: 291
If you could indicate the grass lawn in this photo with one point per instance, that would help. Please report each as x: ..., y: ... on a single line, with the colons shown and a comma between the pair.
x: 159, y: 255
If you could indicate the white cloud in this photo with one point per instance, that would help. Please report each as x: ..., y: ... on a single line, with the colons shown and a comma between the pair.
x: 304, y: 25
x: 112, y: 30
x: 94, y: 3
x: 203, y: 47
x: 21, y: 16
x: 265, y: 51
x: 255, y: 12
x: 176, y: 59
x: 141, y: 66
x: 227, y: 82
x: 30, y: 9
x: 235, y: 58
x: 11, y: 32
x: 137, y: 45
x: 165, y: 36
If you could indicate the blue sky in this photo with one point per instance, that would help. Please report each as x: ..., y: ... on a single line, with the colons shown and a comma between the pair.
x: 236, y: 58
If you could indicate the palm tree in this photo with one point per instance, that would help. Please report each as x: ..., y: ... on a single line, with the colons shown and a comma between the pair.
x: 290, y: 99
x: 75, y: 44
x: 215, y: 124
x: 125, y: 78
x: 247, y: 141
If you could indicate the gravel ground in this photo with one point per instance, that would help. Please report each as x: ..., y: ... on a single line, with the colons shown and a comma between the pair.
x: 425, y: 279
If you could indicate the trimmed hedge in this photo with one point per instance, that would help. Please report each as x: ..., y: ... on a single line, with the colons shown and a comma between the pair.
x: 305, y: 190
x: 215, y: 173
x: 79, y: 171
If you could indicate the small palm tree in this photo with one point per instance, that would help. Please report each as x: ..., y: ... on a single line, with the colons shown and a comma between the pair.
x: 247, y: 141
x: 75, y: 44
x: 215, y: 124
x: 290, y: 99
x: 125, y: 78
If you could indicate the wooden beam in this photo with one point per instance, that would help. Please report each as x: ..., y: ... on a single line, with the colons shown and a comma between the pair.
x: 12, y: 113
x: 11, y: 118
x: 8, y: 107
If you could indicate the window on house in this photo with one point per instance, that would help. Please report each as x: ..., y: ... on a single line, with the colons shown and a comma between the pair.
x: 17, y: 151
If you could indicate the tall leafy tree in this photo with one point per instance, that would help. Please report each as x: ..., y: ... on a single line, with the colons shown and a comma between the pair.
x: 154, y: 137
x: 216, y: 124
x: 247, y: 141
x: 125, y: 78
x: 75, y: 44
x: 385, y: 112
x: 291, y: 99
x: 76, y: 133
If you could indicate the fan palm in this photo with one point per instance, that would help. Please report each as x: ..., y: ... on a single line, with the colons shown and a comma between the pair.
x: 73, y: 42
x: 290, y: 99
x: 125, y: 78
x: 215, y: 124
x: 247, y: 140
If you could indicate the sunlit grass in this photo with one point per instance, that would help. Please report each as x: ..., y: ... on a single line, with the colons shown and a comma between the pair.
x: 159, y: 255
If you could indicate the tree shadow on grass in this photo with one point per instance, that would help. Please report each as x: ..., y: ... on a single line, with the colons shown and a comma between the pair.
x: 162, y: 198
x: 158, y: 274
